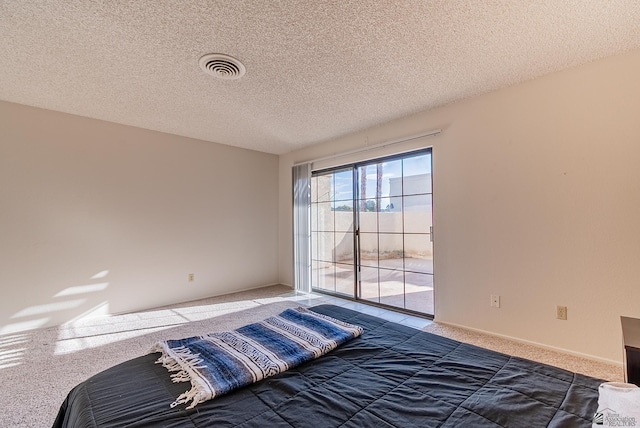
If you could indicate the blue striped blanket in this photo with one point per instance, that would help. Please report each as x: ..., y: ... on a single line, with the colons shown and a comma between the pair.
x: 220, y: 362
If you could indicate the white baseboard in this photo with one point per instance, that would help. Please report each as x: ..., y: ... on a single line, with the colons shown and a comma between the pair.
x: 224, y: 293
x: 540, y: 345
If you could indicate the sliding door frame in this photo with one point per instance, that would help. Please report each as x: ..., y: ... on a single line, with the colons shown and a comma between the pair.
x: 356, y: 199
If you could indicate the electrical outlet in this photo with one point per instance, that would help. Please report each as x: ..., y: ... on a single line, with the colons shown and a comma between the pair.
x: 191, y: 277
x: 561, y: 312
x: 495, y: 301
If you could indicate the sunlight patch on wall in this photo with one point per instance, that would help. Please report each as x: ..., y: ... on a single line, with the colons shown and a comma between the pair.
x: 18, y: 327
x: 48, y: 308
x: 100, y: 275
x: 82, y: 289
x: 13, y: 346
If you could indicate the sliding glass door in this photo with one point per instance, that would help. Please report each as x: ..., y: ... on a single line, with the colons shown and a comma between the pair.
x: 333, y: 267
x: 371, y: 231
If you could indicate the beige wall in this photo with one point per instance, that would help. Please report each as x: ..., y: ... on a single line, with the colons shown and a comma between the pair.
x: 81, y: 196
x: 536, y: 199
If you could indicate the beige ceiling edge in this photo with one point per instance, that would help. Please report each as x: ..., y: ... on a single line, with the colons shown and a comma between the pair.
x: 99, y: 123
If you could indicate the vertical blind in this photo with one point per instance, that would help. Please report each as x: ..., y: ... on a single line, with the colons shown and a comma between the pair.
x: 302, y: 227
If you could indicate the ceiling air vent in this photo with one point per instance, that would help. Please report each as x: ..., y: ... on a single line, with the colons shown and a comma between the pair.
x: 222, y: 66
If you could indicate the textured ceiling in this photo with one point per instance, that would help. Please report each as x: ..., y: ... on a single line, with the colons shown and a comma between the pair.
x: 316, y: 70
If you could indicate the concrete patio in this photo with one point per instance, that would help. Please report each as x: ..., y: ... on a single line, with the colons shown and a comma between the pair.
x: 402, y: 283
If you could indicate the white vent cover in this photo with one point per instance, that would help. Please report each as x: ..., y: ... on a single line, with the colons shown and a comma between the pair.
x: 222, y: 66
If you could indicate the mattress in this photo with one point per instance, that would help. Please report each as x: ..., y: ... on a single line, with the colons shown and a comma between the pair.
x: 391, y: 376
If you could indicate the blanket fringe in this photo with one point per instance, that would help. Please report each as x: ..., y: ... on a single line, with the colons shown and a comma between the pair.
x: 194, y: 395
x: 169, y: 360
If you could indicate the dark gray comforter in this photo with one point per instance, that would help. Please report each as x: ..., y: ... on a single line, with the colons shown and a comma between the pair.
x: 391, y: 376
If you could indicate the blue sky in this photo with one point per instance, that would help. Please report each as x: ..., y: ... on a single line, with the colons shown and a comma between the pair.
x: 343, y: 186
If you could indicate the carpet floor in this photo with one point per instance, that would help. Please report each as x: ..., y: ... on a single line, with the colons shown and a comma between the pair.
x: 601, y: 370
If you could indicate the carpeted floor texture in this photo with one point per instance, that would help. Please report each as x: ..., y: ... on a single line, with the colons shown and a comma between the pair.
x: 38, y: 368
x: 601, y: 370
